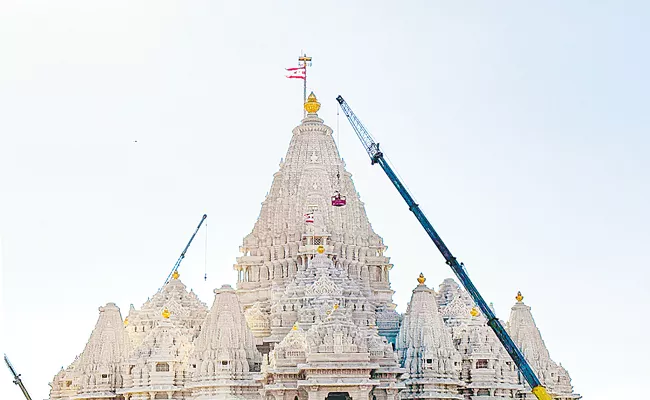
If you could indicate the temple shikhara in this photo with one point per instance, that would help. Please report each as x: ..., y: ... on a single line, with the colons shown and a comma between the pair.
x: 312, y: 315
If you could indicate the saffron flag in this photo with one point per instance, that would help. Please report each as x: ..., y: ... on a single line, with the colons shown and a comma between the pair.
x: 297, y: 73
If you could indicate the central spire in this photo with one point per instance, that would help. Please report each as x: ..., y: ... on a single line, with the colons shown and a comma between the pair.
x: 299, y: 214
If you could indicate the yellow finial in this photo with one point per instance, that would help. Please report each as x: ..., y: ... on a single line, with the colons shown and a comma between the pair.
x: 312, y: 105
x: 166, y: 313
x: 519, y: 297
x: 474, y: 312
x: 295, y: 327
x: 336, y: 306
x: 421, y: 279
x: 126, y: 321
x: 175, y: 275
x: 320, y: 249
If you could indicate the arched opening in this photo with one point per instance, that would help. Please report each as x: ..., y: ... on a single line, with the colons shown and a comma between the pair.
x: 338, y: 396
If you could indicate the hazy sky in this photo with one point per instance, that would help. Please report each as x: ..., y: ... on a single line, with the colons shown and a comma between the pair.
x: 521, y: 128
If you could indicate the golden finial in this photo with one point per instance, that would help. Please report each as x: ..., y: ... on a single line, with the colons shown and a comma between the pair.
x: 126, y: 321
x: 320, y: 249
x: 336, y: 306
x: 295, y: 327
x: 175, y: 275
x: 474, y: 312
x: 421, y: 279
x: 519, y: 297
x: 312, y: 105
x: 165, y: 313
x: 328, y: 312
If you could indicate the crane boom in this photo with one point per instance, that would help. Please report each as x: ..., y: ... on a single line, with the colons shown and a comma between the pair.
x: 377, y: 157
x: 17, y: 379
x: 182, y: 256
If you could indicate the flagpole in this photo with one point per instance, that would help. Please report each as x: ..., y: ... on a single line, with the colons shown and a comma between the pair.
x: 304, y: 59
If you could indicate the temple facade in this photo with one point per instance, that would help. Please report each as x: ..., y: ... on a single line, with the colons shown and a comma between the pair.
x: 312, y: 315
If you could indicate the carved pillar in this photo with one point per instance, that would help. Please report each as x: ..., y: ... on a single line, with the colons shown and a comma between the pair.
x: 363, y: 393
x: 314, y: 394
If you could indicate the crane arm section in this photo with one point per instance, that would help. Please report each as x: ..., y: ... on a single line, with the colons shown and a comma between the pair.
x: 182, y: 256
x: 377, y: 157
x: 17, y: 379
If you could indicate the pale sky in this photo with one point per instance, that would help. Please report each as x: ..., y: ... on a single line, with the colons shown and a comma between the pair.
x: 521, y: 128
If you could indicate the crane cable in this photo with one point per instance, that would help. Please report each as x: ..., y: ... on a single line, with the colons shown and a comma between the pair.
x: 338, y: 146
x: 205, y: 255
x: 338, y: 149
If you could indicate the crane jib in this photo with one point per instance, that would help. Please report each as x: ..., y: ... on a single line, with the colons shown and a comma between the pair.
x: 182, y: 256
x: 17, y: 379
x: 376, y: 157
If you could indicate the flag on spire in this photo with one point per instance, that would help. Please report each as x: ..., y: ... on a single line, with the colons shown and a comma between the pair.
x: 297, y: 73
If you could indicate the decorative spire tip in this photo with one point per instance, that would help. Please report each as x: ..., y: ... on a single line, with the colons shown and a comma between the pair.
x: 312, y: 105
x: 474, y: 312
x: 320, y: 249
x: 421, y: 279
x: 175, y: 275
x: 165, y: 313
x: 519, y: 297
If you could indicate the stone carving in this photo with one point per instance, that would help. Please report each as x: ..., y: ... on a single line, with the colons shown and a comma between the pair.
x: 524, y: 332
x: 427, y: 351
x: 282, y: 243
x: 224, y: 360
x: 159, y: 363
x: 258, y: 321
x: 99, y: 370
x: 188, y: 311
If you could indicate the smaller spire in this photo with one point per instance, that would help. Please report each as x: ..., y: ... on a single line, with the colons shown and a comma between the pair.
x: 312, y: 105
x: 519, y: 297
x: 421, y: 279
x: 175, y: 275
x: 165, y: 313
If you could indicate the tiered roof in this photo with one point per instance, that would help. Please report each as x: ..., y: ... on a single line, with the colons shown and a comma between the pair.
x: 524, y: 332
x: 281, y: 241
x: 98, y: 371
x: 426, y: 349
x: 225, y: 361
x: 188, y: 311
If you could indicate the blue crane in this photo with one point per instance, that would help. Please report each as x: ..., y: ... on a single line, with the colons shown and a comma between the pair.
x: 178, y: 262
x: 17, y: 379
x: 377, y: 157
